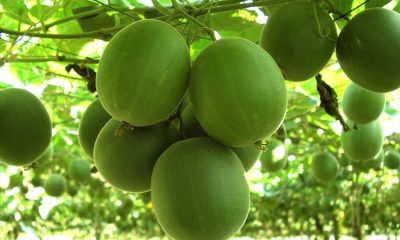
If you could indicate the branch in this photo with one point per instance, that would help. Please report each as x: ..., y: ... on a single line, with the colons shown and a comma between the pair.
x: 48, y: 59
x: 70, y: 18
x: 97, y: 33
x: 106, y: 32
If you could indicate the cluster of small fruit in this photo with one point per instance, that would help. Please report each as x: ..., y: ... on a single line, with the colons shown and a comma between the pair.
x: 301, y: 37
x: 193, y: 164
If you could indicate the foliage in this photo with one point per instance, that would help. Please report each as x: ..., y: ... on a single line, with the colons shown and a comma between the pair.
x: 40, y: 39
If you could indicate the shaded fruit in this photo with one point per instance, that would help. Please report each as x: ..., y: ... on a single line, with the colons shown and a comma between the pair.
x: 248, y: 155
x: 93, y: 120
x: 274, y: 158
x: 126, y: 160
x: 344, y: 160
x: 36, y: 181
x: 362, y: 106
x: 392, y: 159
x: 301, y: 37
x: 376, y: 162
x: 367, y: 49
x: 25, y: 127
x: 364, y: 142
x: 72, y: 190
x: 55, y: 185
x: 237, y: 92
x: 324, y: 167
x: 79, y: 169
x: 143, y: 73
x: 199, y: 190
x: 190, y: 126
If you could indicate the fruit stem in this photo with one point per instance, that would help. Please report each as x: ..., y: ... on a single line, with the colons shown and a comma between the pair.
x: 329, y: 101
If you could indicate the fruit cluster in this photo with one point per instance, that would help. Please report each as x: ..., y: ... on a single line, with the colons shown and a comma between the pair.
x: 231, y: 97
x: 193, y: 164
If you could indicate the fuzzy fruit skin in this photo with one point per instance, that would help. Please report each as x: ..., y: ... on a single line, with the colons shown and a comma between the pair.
x: 363, y: 143
x: 325, y: 167
x: 93, y: 120
x: 392, y: 159
x: 292, y: 38
x: 25, y: 127
x: 79, y: 169
x: 367, y: 49
x: 143, y: 73
x: 126, y: 161
x: 362, y: 106
x: 237, y: 91
x: 274, y: 158
x: 199, y: 190
x: 55, y: 185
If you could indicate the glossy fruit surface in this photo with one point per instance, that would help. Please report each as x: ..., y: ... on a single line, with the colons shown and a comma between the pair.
x: 93, y: 120
x: 237, y: 92
x: 325, y: 167
x: 367, y: 49
x: 301, y: 37
x: 25, y: 127
x: 126, y: 159
x: 199, y: 190
x: 362, y: 106
x: 143, y: 73
x: 364, y: 142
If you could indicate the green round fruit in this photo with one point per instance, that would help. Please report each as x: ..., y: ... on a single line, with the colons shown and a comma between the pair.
x: 301, y: 37
x: 367, y: 49
x: 363, y: 143
x: 79, y: 169
x: 143, y: 73
x: 190, y: 126
x: 237, y: 91
x: 25, y: 127
x: 93, y: 120
x: 36, y: 181
x: 362, y: 106
x: 72, y: 190
x: 127, y: 161
x: 376, y: 162
x: 204, y: 198
x: 274, y: 158
x: 325, y: 167
x: 392, y: 159
x: 55, y: 185
x: 248, y: 155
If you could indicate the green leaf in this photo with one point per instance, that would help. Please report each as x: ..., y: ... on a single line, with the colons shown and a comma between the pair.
x: 17, y: 10
x: 240, y: 23
x: 376, y: 3
x: 343, y: 6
